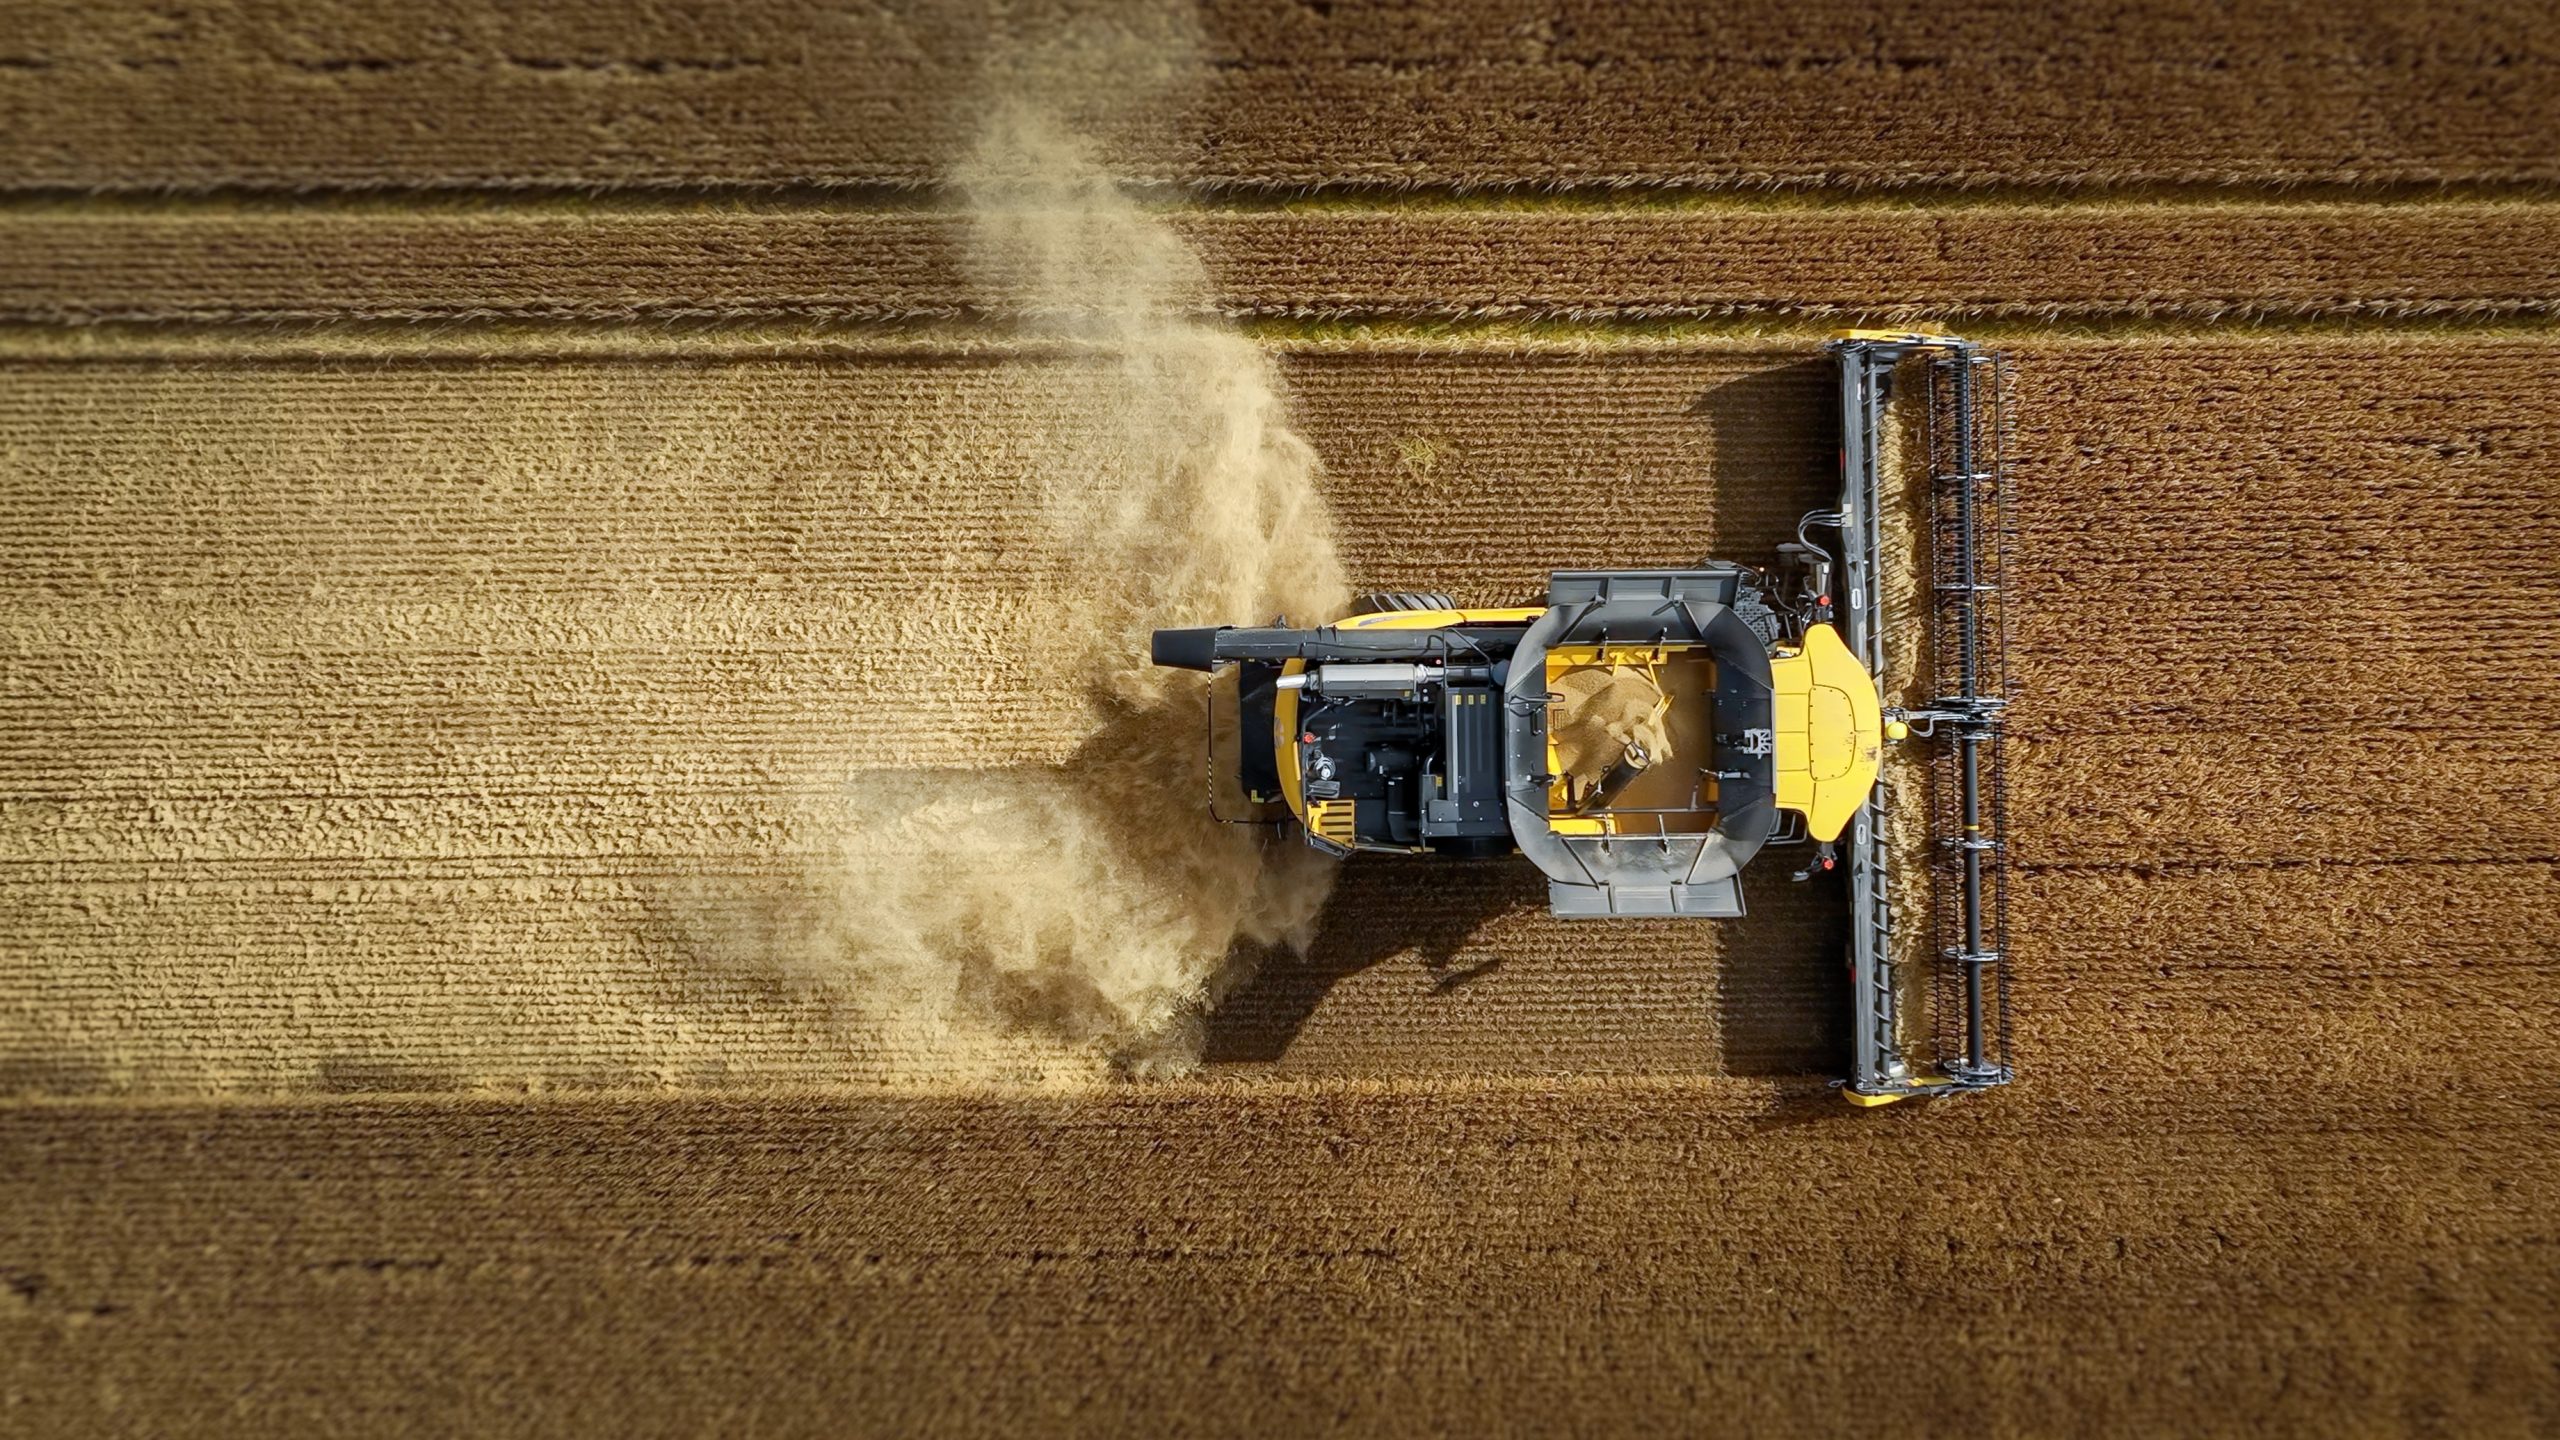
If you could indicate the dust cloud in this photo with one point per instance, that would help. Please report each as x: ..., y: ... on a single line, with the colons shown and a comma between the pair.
x: 1096, y: 908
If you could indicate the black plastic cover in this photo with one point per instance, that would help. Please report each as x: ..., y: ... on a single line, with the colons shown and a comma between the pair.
x: 1193, y: 649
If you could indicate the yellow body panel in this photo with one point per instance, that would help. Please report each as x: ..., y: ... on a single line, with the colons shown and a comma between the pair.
x: 1332, y: 820
x: 1922, y: 1081
x: 1437, y: 619
x: 1920, y: 337
x: 1830, y: 732
x: 1284, y: 706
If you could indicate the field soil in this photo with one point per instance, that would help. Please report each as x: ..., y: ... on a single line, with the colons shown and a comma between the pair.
x: 488, y: 504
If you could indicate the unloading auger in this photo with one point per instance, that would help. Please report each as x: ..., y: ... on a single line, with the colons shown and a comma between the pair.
x: 1643, y: 734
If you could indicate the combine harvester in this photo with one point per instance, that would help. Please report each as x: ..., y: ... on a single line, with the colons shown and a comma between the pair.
x: 1644, y: 734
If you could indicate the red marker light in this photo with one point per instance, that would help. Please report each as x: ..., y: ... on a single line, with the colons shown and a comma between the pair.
x: 1307, y: 739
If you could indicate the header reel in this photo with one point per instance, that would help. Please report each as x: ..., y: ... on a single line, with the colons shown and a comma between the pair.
x: 1962, y: 614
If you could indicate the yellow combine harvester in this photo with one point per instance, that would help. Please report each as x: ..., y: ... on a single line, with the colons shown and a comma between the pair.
x: 1644, y: 734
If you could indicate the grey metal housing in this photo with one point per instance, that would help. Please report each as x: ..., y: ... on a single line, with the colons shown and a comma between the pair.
x: 1688, y: 875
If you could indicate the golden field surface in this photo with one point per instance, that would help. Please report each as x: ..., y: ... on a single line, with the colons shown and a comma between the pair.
x: 492, y: 502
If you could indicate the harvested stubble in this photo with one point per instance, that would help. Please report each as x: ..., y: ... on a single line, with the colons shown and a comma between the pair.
x: 2367, y: 1257
x: 587, y: 93
x: 226, y: 261
x: 501, y: 685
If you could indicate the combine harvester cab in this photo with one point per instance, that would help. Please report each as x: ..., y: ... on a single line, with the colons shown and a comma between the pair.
x: 1644, y: 734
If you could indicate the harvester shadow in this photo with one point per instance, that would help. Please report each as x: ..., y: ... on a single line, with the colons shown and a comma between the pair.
x: 1776, y: 448
x: 1782, y: 984
x: 1381, y: 908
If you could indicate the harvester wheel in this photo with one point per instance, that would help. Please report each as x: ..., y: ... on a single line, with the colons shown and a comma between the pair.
x: 1385, y: 601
